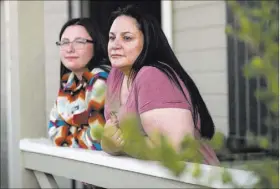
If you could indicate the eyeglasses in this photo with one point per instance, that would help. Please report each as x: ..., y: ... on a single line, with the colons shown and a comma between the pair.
x: 76, y: 44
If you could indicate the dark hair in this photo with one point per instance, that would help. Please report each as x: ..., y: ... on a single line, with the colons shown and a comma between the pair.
x: 100, y: 58
x: 158, y: 53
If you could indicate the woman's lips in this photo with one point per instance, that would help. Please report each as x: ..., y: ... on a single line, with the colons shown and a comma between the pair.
x: 71, y: 58
x: 116, y: 56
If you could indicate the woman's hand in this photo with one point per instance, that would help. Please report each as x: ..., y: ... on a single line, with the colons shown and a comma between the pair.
x: 112, y: 141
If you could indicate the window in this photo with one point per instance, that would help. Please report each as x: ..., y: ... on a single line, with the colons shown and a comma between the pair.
x: 246, y: 113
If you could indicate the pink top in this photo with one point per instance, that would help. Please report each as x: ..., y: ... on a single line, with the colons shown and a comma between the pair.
x: 151, y: 89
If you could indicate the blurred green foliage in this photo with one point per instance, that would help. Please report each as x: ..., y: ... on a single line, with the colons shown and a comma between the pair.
x: 258, y: 28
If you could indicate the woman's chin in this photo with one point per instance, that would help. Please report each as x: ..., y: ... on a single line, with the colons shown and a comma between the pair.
x: 124, y: 68
x: 118, y: 65
x: 74, y: 68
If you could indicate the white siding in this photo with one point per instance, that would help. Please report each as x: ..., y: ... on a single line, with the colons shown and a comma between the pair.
x: 56, y: 14
x: 199, y: 41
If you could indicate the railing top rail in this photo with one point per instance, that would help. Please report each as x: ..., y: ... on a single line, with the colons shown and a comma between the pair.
x: 151, y: 168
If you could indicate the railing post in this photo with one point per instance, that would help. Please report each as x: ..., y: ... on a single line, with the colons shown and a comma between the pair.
x: 45, y: 180
x: 25, y: 89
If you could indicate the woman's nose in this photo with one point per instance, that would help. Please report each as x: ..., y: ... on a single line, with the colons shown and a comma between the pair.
x: 70, y: 48
x: 116, y: 44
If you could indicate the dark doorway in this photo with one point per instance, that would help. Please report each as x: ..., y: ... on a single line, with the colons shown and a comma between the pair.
x: 100, y: 10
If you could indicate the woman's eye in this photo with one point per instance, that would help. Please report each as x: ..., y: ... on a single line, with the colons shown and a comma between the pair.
x: 127, y: 38
x: 111, y: 37
x: 80, y: 42
x: 64, y: 42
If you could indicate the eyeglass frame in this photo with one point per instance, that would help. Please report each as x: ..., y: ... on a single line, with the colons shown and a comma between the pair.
x: 85, y: 41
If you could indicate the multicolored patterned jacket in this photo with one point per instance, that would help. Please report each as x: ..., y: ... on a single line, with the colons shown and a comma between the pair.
x: 78, y: 107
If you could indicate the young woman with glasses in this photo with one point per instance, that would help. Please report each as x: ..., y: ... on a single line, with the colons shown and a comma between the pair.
x: 83, y: 72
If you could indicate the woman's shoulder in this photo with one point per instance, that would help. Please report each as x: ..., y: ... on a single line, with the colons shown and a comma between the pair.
x: 99, y: 70
x: 96, y: 73
x: 105, y: 67
x: 150, y: 73
x: 149, y: 69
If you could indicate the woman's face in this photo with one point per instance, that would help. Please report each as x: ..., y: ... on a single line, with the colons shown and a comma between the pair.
x: 125, y: 42
x: 75, y: 56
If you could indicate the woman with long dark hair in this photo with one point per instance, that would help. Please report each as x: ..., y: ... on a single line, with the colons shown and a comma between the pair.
x: 83, y: 73
x: 148, y: 80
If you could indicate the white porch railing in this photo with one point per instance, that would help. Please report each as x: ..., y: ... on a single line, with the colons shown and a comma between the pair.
x: 101, y: 169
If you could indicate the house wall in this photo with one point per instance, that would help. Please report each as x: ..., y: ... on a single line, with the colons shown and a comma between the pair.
x: 55, y: 15
x: 199, y: 41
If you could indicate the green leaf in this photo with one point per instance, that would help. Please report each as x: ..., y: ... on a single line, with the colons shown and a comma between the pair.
x: 189, y: 149
x: 251, y: 139
x: 108, y: 143
x: 196, y: 173
x: 97, y: 132
x: 274, y: 87
x: 275, y: 180
x: 218, y: 141
x: 263, y: 94
x: 265, y: 171
x: 257, y: 63
x: 249, y: 72
x: 169, y: 157
x: 274, y: 107
x: 229, y: 30
x: 191, y: 154
x: 255, y: 12
x: 135, y: 144
x: 245, y: 25
x: 226, y: 177
x: 189, y: 141
x: 264, y: 142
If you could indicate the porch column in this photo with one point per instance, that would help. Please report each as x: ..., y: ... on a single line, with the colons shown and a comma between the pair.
x: 25, y: 83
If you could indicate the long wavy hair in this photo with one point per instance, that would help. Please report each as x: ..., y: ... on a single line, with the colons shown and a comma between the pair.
x: 100, y: 58
x: 158, y: 53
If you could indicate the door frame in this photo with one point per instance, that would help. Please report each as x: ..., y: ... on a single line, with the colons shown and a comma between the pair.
x: 81, y: 10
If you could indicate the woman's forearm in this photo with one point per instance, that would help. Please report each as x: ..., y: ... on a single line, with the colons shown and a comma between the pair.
x: 144, y: 152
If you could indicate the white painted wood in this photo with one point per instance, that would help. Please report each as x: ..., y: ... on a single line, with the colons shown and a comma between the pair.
x: 58, y: 11
x: 166, y: 20
x: 200, y: 16
x: 76, y: 8
x: 25, y: 82
x: 45, y: 180
x: 199, y: 41
x: 12, y: 90
x: 95, y: 167
x: 208, y: 60
x: 192, y: 4
x: 207, y: 38
x: 95, y: 174
x: 3, y: 125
